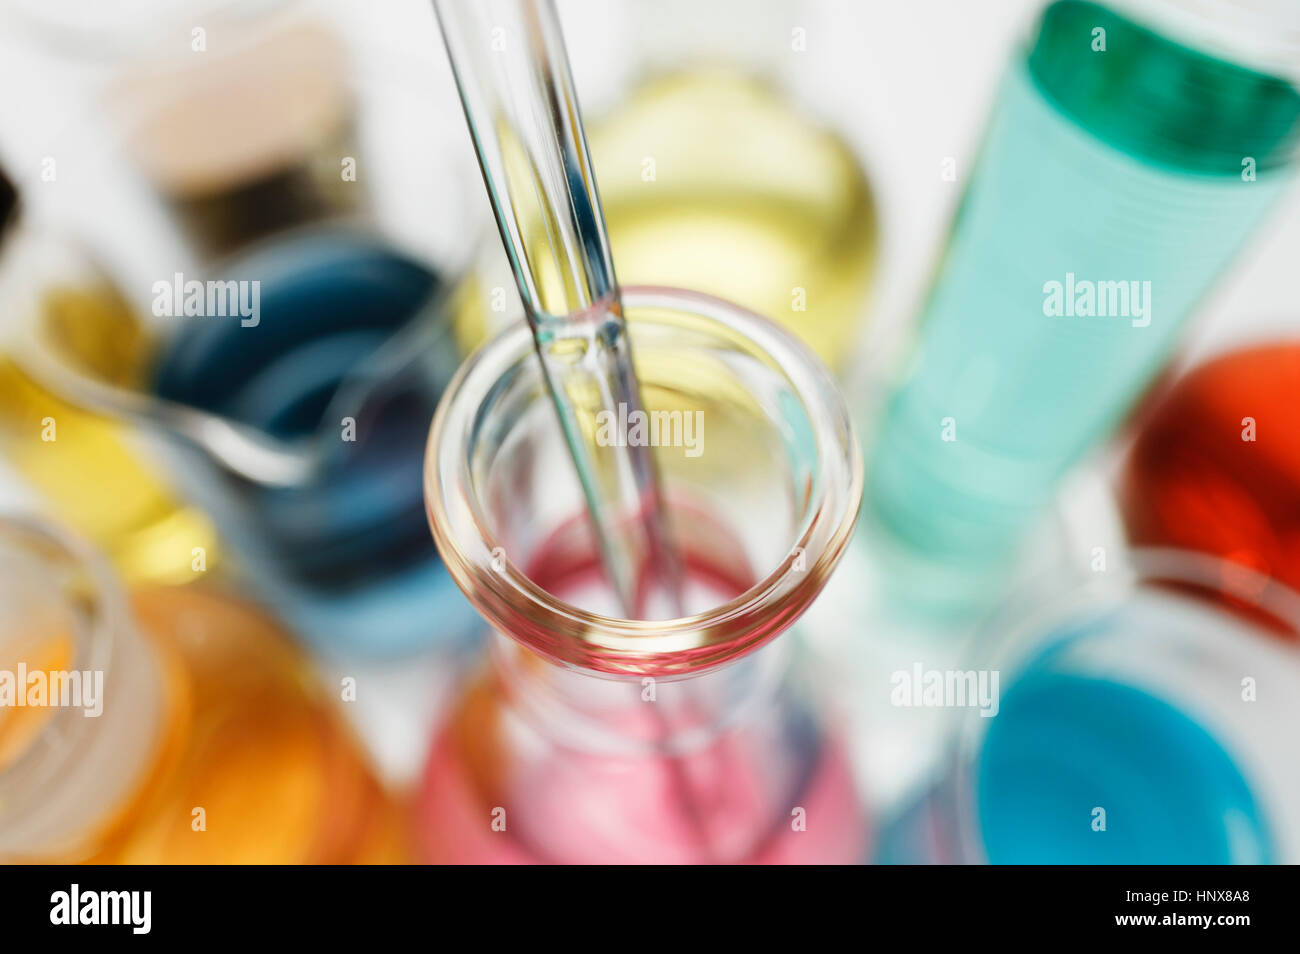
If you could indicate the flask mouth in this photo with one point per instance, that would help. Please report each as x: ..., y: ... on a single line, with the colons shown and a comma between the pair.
x: 793, y: 490
x: 52, y: 580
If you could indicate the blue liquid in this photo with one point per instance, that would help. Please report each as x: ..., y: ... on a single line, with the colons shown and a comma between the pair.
x: 347, y: 556
x: 1113, y: 167
x: 1063, y: 745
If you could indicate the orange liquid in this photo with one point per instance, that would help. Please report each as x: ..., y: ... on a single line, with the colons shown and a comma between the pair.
x: 252, y: 743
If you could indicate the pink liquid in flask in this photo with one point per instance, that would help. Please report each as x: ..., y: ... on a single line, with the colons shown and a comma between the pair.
x: 768, y: 788
x: 594, y: 738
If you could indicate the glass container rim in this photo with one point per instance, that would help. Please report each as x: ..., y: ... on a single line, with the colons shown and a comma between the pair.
x: 513, y: 604
x: 95, y: 649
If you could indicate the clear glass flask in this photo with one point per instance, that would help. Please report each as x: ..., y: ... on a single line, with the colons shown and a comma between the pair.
x: 166, y: 725
x: 1145, y: 717
x: 592, y: 738
x: 1131, y: 152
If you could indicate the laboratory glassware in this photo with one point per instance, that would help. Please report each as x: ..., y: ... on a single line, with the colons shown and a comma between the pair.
x: 1131, y: 151
x: 298, y: 429
x: 131, y: 511
x: 717, y: 176
x: 167, y: 725
x: 1216, y: 467
x: 1143, y: 717
x: 591, y: 737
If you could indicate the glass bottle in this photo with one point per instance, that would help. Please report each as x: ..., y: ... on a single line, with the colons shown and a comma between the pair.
x: 591, y: 738
x: 714, y: 176
x: 1143, y: 716
x: 192, y: 733
x: 1131, y: 151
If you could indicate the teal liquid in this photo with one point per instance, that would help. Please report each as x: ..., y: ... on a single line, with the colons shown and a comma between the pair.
x: 1064, y: 745
x: 1116, y: 166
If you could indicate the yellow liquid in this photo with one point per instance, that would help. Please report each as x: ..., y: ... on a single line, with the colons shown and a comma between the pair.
x: 711, y: 181
x: 94, y: 481
x: 250, y: 740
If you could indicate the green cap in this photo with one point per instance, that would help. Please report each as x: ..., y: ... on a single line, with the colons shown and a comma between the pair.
x: 1158, y: 100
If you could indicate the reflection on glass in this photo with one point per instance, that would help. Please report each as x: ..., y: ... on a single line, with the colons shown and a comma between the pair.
x: 591, y: 738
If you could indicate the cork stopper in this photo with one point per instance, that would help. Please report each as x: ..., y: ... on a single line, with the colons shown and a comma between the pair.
x: 237, y: 118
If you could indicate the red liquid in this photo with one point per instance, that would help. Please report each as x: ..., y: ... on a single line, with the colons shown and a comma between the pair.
x: 733, y: 798
x: 1194, y: 482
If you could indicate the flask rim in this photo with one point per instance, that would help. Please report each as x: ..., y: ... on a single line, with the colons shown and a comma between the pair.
x: 75, y: 577
x: 516, y: 606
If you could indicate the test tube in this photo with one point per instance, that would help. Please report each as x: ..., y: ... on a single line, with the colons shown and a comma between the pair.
x: 554, y: 753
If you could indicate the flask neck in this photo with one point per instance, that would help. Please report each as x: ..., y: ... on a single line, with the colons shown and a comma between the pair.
x: 628, y: 716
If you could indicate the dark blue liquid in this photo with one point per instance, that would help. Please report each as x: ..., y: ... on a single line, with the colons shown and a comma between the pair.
x: 1063, y: 745
x: 328, y: 304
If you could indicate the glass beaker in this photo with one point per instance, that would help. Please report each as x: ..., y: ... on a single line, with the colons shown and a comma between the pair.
x: 301, y: 438
x: 166, y: 725
x: 1145, y: 717
x: 592, y: 738
x: 131, y: 512
x: 284, y: 384
x: 1129, y: 155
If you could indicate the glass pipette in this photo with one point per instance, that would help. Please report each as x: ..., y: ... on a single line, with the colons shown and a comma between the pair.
x: 517, y: 91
